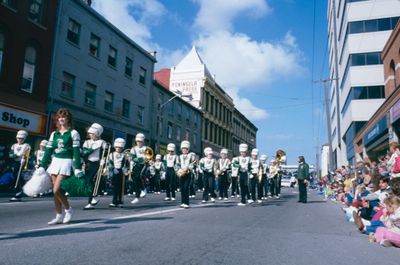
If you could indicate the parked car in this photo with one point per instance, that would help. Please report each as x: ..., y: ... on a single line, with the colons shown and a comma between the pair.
x: 286, y: 181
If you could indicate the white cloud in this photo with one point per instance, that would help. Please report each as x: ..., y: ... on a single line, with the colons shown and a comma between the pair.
x: 219, y: 14
x: 133, y: 17
x: 245, y: 106
x: 239, y: 61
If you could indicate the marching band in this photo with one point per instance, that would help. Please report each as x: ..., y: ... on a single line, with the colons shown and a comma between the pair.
x: 250, y: 177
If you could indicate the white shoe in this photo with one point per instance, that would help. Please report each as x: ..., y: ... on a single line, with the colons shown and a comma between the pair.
x: 259, y: 201
x: 203, y: 201
x: 219, y: 198
x: 212, y: 200
x: 250, y: 201
x: 57, y: 220
x: 185, y: 206
x: 182, y: 205
x: 237, y: 196
x: 112, y: 205
x: 167, y: 199
x: 68, y: 216
x: 241, y: 204
x: 277, y: 196
x: 88, y: 206
x: 269, y: 197
x: 94, y: 201
x: 225, y: 199
x: 232, y: 196
x: 143, y: 194
x: 134, y: 201
x: 173, y: 199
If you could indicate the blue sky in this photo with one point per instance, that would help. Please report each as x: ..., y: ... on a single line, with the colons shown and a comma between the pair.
x: 260, y: 50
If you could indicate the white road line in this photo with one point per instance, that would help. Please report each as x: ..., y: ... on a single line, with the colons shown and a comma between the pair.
x: 58, y: 227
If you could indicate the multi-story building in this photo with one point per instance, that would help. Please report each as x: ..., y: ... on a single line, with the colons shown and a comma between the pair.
x: 358, y: 31
x: 191, y: 77
x: 26, y: 43
x: 244, y: 131
x: 384, y: 126
x: 173, y: 120
x: 100, y: 74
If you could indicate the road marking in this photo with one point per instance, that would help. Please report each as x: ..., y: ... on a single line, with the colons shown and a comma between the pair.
x: 58, y: 227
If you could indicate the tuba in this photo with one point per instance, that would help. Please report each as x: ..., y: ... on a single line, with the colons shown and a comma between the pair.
x: 280, y: 157
x: 148, y: 154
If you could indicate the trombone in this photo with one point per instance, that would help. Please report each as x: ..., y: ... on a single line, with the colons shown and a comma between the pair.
x: 101, y: 169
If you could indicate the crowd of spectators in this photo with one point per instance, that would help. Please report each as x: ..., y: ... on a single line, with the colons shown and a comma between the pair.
x: 370, y: 195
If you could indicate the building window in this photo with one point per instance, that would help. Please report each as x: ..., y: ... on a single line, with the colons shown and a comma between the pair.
x: 187, y: 135
x: 126, y: 106
x: 112, y: 56
x: 68, y: 85
x: 179, y: 111
x: 194, y: 139
x: 28, y: 75
x: 160, y: 127
x: 109, y: 102
x: 90, y: 94
x: 188, y: 115
x: 368, y: 92
x: 195, y: 119
x: 171, y: 108
x: 141, y: 115
x: 1, y: 51
x: 74, y: 30
x: 372, y: 25
x: 128, y: 66
x: 142, y: 76
x: 94, y: 46
x: 36, y: 11
x: 333, y: 114
x: 169, y: 130
x: 178, y: 133
x: 9, y: 3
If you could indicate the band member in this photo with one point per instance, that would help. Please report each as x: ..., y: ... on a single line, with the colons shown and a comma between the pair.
x: 207, y: 164
x: 171, y: 163
x: 159, y: 168
x: 186, y: 162
x: 273, y: 179
x: 223, y: 165
x: 243, y: 164
x: 118, y: 167
x: 40, y: 153
x: 19, y: 155
x: 264, y: 182
x: 303, y: 174
x: 91, y: 152
x: 137, y: 165
x: 64, y: 146
x: 234, y: 178
x: 255, y: 182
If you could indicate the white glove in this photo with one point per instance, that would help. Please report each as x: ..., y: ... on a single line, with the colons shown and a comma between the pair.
x: 102, y: 162
x: 36, y: 166
x: 23, y: 160
x: 251, y: 176
x: 116, y: 171
x: 78, y: 173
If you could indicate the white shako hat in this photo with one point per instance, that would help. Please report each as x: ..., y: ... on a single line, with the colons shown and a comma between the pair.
x: 254, y: 151
x: 224, y: 151
x: 185, y: 144
x: 208, y: 150
x: 243, y: 148
x: 22, y: 134
x: 158, y: 157
x: 139, y: 137
x: 43, y: 143
x: 171, y: 147
x: 119, y: 142
x: 96, y: 129
x: 263, y: 157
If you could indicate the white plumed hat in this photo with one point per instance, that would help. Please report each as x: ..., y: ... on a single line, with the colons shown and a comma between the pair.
x: 243, y: 148
x: 224, y: 151
x: 22, y: 134
x: 171, y: 147
x: 119, y: 142
x: 263, y: 157
x: 96, y: 129
x: 139, y: 137
x: 43, y: 143
x: 185, y: 144
x: 254, y: 151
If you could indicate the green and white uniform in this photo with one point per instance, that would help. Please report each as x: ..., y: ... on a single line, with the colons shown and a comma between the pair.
x: 65, y: 150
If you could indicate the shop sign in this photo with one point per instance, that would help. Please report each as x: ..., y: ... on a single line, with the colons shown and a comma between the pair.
x: 376, y: 131
x: 13, y: 118
x: 395, y: 112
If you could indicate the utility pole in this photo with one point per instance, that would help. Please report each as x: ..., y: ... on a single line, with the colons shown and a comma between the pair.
x: 328, y: 119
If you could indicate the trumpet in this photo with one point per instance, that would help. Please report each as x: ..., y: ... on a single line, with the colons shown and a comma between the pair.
x: 102, y: 170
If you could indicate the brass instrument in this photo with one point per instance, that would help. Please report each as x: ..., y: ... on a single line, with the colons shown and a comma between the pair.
x: 260, y: 173
x: 148, y: 154
x: 102, y: 170
x: 184, y: 171
x: 280, y: 156
x: 27, y: 155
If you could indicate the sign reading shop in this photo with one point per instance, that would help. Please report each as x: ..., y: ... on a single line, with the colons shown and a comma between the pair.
x: 379, y: 129
x: 17, y: 119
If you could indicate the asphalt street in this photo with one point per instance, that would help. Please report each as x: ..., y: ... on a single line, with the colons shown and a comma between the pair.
x: 278, y: 231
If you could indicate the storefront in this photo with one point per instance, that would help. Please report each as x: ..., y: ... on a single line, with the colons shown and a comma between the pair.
x: 376, y: 140
x: 13, y: 119
x: 394, y: 114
